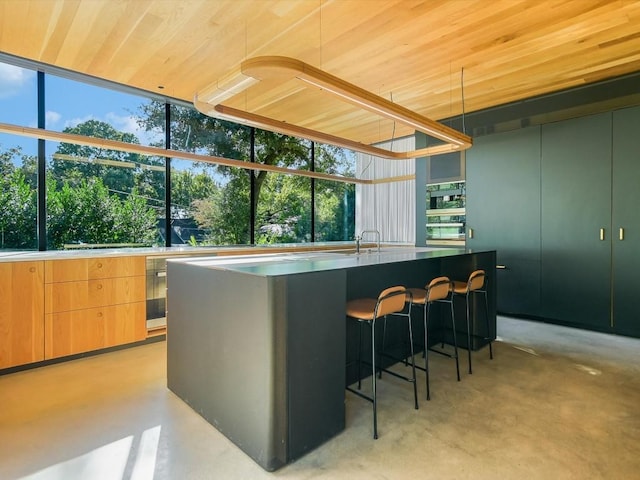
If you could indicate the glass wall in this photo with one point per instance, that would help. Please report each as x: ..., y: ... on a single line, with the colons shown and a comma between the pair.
x: 18, y: 160
x: 334, y: 201
x: 210, y: 204
x: 98, y: 197
x: 283, y: 202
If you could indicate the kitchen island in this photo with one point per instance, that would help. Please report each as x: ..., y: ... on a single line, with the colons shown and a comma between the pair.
x: 258, y: 345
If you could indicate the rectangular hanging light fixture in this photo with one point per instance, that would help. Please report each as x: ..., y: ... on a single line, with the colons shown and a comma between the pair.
x: 209, y: 102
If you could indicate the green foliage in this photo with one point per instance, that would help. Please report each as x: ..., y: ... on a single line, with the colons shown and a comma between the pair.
x: 284, y: 210
x: 18, y: 201
x: 334, y: 211
x: 18, y: 212
x: 225, y: 213
x: 188, y: 186
x: 87, y: 213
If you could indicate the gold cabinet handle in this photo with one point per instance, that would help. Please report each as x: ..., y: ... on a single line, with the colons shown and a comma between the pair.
x: 471, y: 233
x: 501, y: 267
x: 602, y: 234
x: 99, y: 286
x: 621, y: 234
x: 33, y: 269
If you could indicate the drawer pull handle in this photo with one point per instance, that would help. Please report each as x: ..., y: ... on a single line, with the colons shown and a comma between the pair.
x: 621, y: 233
x: 501, y: 267
x: 99, y: 265
x: 99, y: 314
x: 99, y: 287
x: 602, y: 234
x: 32, y: 269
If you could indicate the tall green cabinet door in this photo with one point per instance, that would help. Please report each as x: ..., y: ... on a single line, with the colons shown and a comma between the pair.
x: 626, y: 221
x: 503, y: 212
x: 576, y: 221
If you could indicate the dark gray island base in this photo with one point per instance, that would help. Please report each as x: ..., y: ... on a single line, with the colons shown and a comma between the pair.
x: 258, y: 345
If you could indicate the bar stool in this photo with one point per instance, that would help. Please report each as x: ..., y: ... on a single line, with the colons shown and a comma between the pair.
x: 475, y: 284
x: 391, y: 301
x: 437, y: 290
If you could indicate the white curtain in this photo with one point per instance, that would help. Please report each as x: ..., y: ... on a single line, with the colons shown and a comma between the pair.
x: 387, y: 207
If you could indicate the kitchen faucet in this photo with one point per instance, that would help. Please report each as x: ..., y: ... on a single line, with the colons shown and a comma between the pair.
x: 361, y: 236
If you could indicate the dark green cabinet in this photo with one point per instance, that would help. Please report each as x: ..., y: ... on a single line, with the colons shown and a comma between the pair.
x: 503, y: 213
x: 576, y: 221
x: 625, y: 236
x: 559, y: 203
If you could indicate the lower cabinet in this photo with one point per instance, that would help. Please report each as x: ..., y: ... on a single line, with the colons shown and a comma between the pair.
x: 21, y: 313
x: 79, y: 331
x: 92, y: 304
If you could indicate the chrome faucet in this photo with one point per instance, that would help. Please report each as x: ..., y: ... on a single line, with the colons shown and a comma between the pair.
x: 362, y: 236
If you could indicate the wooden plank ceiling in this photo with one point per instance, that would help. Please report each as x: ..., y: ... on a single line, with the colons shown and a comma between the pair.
x: 411, y: 52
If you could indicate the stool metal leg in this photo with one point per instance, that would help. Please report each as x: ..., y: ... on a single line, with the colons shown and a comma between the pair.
x: 413, y: 361
x: 384, y: 339
x: 468, y: 332
x: 455, y: 341
x: 359, y: 355
x: 426, y: 349
x: 373, y: 379
x: 486, y: 312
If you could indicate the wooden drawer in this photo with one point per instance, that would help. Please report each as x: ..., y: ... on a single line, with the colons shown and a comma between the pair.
x: 67, y: 296
x: 79, y: 331
x: 93, y: 268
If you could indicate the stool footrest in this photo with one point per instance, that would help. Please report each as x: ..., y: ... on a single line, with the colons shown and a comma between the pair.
x: 403, y: 360
x: 360, y: 394
x: 443, y: 353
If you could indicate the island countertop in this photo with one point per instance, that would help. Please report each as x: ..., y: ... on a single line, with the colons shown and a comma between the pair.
x: 276, y: 264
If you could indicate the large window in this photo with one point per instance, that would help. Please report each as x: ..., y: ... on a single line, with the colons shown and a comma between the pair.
x: 98, y: 197
x: 334, y: 201
x: 18, y: 160
x: 210, y: 203
x: 283, y: 202
x: 92, y: 196
x: 102, y: 198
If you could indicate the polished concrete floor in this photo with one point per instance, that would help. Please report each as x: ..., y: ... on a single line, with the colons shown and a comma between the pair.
x: 555, y: 403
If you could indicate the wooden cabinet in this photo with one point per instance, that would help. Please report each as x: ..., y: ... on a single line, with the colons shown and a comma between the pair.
x: 93, y: 303
x: 21, y: 313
